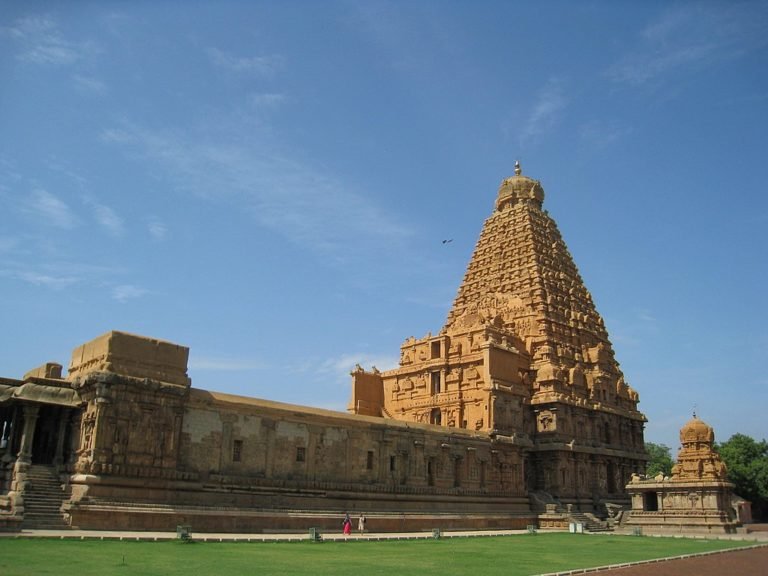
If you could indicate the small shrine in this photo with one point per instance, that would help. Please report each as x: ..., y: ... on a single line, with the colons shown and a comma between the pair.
x: 696, y: 498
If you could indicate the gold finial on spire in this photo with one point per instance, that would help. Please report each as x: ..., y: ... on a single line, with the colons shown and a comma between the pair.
x: 518, y: 170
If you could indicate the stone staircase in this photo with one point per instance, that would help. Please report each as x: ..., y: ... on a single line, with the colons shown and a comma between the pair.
x: 43, y: 497
x: 590, y: 522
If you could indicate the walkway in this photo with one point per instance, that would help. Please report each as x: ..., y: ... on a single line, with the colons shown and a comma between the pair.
x: 757, y: 536
x: 227, y: 537
x: 751, y: 561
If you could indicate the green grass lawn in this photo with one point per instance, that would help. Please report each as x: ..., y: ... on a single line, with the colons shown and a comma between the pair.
x: 503, y: 555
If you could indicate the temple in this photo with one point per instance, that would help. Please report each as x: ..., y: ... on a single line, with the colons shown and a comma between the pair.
x: 523, y: 355
x: 697, y: 497
x: 515, y: 414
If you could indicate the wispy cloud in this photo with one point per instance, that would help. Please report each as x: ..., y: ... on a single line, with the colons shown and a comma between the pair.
x: 546, y: 112
x: 7, y: 244
x: 691, y: 37
x: 635, y: 327
x: 646, y: 316
x: 157, y: 229
x: 266, y: 100
x: 225, y: 364
x: 89, y: 85
x: 52, y: 209
x: 8, y: 172
x: 600, y: 134
x: 125, y: 292
x: 41, y: 42
x: 63, y: 273
x: 38, y: 278
x: 290, y: 197
x: 639, y: 69
x: 117, y: 136
x: 340, y: 367
x: 259, y: 65
x: 411, y: 41
x: 108, y: 219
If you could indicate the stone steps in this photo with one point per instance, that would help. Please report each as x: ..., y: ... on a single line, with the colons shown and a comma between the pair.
x: 590, y: 524
x: 43, y: 497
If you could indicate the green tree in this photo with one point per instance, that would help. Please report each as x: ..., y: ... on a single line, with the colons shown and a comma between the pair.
x: 661, y: 459
x: 747, y: 463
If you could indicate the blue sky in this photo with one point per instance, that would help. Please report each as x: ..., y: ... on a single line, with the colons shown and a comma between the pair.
x: 269, y: 183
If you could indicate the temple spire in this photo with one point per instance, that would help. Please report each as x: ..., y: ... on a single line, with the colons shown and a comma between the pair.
x: 518, y: 170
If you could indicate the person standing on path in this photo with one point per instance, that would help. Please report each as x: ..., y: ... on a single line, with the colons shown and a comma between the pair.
x: 361, y: 524
x: 347, y: 524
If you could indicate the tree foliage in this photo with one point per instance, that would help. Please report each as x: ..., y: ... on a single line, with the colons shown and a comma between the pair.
x: 747, y: 463
x: 661, y: 459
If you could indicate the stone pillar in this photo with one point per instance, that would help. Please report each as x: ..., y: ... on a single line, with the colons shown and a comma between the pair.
x: 58, y: 459
x: 75, y: 418
x: 268, y: 430
x: 310, y: 469
x: 101, y: 450
x: 31, y: 412
x: 8, y: 455
x: 419, y: 461
x: 23, y: 460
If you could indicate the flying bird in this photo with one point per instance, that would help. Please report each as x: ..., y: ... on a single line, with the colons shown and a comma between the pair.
x: 446, y: 241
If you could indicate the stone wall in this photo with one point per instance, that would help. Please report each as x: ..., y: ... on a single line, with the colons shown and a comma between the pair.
x: 152, y: 456
x: 226, y: 435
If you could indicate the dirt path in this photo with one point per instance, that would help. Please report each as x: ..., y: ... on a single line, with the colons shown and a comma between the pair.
x: 737, y: 563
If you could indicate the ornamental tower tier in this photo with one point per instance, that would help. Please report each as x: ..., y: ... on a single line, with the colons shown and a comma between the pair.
x: 523, y: 355
x: 522, y: 280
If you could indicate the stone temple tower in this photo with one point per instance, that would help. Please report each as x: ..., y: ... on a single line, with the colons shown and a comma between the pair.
x: 524, y: 355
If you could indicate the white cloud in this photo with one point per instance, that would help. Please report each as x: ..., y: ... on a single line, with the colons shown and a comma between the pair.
x: 289, y: 197
x: 225, y: 364
x: 545, y: 114
x: 90, y: 85
x: 41, y: 42
x: 646, y: 316
x: 117, y: 136
x: 260, y: 65
x: 266, y: 100
x: 600, y: 134
x: 340, y: 367
x: 157, y: 229
x: 52, y: 209
x: 691, y: 37
x: 639, y: 69
x: 37, y: 278
x: 108, y: 219
x: 7, y: 244
x: 126, y: 292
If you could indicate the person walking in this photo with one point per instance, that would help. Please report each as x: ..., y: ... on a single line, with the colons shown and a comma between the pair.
x: 347, y: 524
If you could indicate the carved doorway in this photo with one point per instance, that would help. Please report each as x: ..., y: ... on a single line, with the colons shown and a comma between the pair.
x: 46, y: 439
